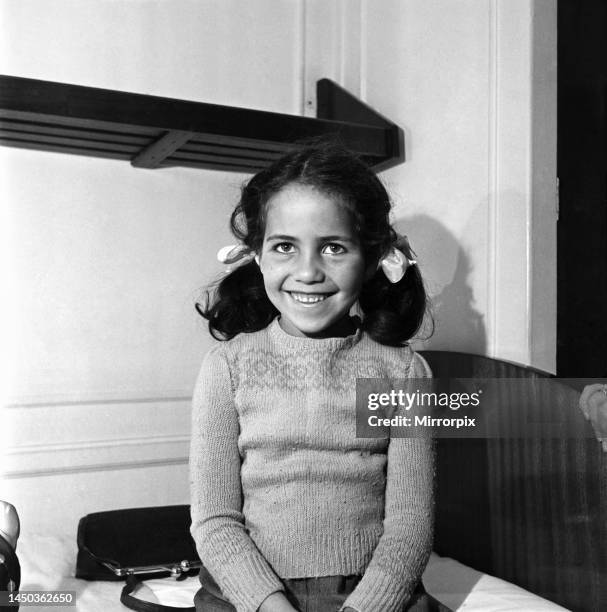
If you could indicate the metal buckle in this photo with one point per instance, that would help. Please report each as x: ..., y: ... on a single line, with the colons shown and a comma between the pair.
x: 175, y: 569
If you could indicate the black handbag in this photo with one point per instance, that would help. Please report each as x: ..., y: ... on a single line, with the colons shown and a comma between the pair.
x: 135, y: 544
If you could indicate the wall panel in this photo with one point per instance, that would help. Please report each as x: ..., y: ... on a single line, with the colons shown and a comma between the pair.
x: 474, y: 87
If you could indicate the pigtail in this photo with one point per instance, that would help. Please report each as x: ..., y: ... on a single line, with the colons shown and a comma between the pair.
x: 238, y: 303
x: 394, y: 312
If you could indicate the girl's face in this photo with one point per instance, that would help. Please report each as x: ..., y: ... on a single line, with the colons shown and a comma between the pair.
x: 311, y: 260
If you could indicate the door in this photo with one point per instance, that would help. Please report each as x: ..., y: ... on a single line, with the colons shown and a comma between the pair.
x: 582, y: 170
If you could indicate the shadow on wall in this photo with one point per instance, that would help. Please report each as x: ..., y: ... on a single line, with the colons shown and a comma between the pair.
x: 446, y: 269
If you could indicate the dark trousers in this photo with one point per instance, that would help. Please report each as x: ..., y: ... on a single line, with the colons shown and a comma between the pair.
x: 325, y: 594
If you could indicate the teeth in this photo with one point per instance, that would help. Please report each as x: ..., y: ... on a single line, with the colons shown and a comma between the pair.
x: 307, y: 298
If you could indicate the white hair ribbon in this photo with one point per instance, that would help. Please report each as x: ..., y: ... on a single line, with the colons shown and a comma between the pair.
x: 395, y: 263
x: 235, y: 253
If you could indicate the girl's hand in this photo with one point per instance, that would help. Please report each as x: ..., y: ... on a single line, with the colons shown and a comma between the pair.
x: 593, y: 403
x: 276, y: 602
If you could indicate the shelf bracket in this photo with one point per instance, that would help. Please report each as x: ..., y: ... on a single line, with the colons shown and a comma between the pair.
x: 334, y: 103
x: 154, y: 154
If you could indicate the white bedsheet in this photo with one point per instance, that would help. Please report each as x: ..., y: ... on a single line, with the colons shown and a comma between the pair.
x: 462, y: 588
x: 48, y: 563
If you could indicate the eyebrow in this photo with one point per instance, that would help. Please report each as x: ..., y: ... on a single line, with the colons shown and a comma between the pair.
x: 320, y: 238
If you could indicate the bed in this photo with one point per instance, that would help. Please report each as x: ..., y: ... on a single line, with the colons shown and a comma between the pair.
x: 48, y: 563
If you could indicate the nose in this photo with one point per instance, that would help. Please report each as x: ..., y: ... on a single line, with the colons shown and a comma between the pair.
x: 309, y: 268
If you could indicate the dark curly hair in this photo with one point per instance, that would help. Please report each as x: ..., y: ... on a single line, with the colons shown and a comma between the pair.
x: 392, y: 313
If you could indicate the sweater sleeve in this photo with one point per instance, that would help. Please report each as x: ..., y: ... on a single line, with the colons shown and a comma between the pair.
x: 218, y: 527
x: 404, y: 548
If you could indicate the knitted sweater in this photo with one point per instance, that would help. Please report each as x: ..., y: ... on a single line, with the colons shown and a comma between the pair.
x: 282, y: 488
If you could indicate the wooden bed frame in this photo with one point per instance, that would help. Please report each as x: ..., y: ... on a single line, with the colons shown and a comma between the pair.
x: 530, y: 511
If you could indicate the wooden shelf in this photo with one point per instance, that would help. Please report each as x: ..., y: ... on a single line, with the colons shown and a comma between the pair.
x: 156, y: 132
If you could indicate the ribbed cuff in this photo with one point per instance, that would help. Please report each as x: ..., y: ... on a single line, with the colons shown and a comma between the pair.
x: 247, y: 585
x: 376, y: 592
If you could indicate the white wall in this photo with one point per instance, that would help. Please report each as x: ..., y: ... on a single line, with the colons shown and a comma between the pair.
x: 473, y: 84
x: 107, y: 260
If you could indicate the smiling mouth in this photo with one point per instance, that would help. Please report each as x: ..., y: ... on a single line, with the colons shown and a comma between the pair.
x: 309, y: 298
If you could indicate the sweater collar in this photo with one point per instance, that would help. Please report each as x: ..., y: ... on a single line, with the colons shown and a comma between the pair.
x: 302, y: 343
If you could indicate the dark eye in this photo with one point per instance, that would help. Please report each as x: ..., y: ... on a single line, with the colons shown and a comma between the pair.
x: 283, y: 247
x: 334, y: 249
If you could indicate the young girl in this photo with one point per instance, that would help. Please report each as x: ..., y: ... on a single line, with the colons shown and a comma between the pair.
x: 290, y: 511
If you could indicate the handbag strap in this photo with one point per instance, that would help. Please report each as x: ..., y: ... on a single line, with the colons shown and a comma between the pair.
x: 145, y: 606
